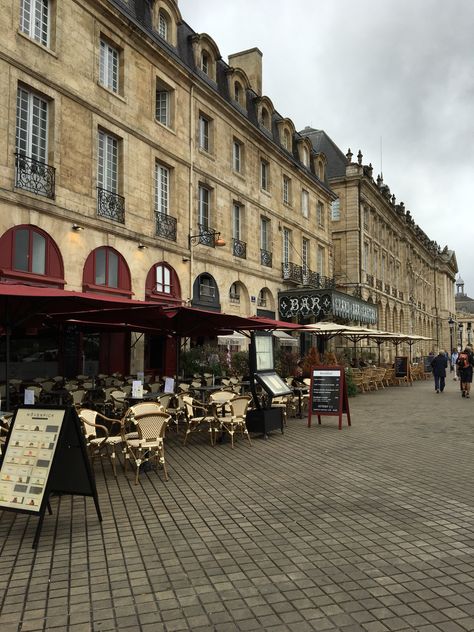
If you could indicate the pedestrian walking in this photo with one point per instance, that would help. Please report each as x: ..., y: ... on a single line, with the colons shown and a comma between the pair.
x: 465, y: 363
x: 439, y: 365
x: 454, y: 359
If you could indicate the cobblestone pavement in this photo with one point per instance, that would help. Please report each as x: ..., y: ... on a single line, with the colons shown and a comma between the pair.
x: 370, y: 528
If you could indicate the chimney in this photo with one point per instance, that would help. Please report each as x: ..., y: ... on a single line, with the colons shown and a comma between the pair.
x: 250, y: 61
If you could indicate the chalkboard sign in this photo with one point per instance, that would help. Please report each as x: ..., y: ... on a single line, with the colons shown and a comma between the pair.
x: 328, y: 393
x: 45, y: 452
x: 401, y: 366
x: 427, y: 360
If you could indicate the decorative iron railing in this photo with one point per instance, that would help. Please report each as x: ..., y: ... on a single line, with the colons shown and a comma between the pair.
x: 34, y: 176
x: 166, y: 226
x: 266, y: 258
x: 369, y: 280
x: 378, y: 284
x: 394, y: 292
x: 110, y: 205
x: 207, y: 236
x: 387, y: 288
x: 400, y: 295
x: 239, y: 248
x: 292, y: 272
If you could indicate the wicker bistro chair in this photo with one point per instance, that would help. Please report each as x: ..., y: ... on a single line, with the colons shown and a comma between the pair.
x: 237, y: 420
x: 200, y: 417
x: 148, y: 446
x: 102, y: 444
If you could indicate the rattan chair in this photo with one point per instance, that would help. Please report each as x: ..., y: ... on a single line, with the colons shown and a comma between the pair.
x: 237, y: 420
x: 200, y: 417
x: 148, y: 446
x: 102, y: 443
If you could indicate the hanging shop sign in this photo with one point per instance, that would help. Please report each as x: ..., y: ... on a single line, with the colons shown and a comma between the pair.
x: 326, y: 303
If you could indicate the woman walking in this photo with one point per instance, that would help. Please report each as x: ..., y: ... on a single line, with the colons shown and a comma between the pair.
x: 465, y: 362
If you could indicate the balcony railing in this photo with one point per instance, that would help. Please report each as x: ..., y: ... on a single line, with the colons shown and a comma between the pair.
x: 239, y: 248
x: 394, y: 292
x: 400, y: 295
x: 304, y: 276
x: 166, y: 226
x: 369, y: 280
x: 378, y: 284
x: 34, y: 176
x: 387, y: 288
x: 110, y: 205
x: 207, y: 236
x: 266, y: 258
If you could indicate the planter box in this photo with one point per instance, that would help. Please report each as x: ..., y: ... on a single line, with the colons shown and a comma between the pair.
x: 265, y: 420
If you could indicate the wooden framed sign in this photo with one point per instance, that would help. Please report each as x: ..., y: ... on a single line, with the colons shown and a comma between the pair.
x: 45, y: 452
x: 328, y: 394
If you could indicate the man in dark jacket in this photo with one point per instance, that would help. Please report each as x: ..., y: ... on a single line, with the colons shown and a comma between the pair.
x: 439, y: 365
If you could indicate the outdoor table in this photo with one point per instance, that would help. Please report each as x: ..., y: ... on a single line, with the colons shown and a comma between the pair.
x: 299, y: 391
x: 205, y: 390
x: 58, y: 396
x: 147, y: 397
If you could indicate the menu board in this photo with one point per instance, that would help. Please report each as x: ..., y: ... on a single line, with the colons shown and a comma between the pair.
x: 273, y: 384
x: 326, y: 391
x: 427, y: 360
x: 27, y: 461
x: 263, y: 352
x: 401, y: 366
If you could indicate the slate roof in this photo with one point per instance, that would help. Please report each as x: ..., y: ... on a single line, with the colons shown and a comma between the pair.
x: 322, y: 143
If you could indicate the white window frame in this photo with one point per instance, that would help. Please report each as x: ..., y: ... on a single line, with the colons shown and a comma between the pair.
x: 35, y: 17
x: 162, y: 106
x: 204, y: 206
x: 286, y: 190
x: 162, y: 189
x: 305, y: 203
x: 265, y: 234
x: 107, y: 162
x: 234, y: 293
x: 204, y: 133
x: 236, y: 221
x: 336, y: 210
x: 321, y: 257
x: 286, y: 246
x: 305, y: 255
x: 163, y: 26
x: 32, y: 125
x: 162, y: 279
x: 320, y: 214
x: 205, y: 62
x: 237, y: 156
x: 109, y: 66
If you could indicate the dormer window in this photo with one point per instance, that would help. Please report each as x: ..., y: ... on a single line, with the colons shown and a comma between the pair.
x: 265, y: 118
x: 238, y: 92
x: 305, y: 156
x: 163, y: 25
x: 321, y: 170
x: 286, y: 140
x: 205, y: 62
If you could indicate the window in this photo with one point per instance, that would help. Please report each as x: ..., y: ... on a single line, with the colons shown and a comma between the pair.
x: 265, y: 118
x: 286, y: 140
x: 109, y: 66
x: 237, y: 156
x: 305, y: 203
x: 162, y: 25
x: 203, y: 209
x: 236, y: 221
x: 265, y: 243
x: 163, y: 279
x: 366, y: 218
x: 321, y: 266
x: 264, y: 175
x: 262, y: 298
x: 29, y: 251
x: 204, y: 133
x: 162, y: 189
x: 107, y: 176
x: 106, y: 267
x: 286, y: 245
x: 305, y: 156
x: 31, y: 125
x: 382, y: 270
x: 336, y: 210
x: 207, y: 288
x: 205, y: 62
x: 234, y: 293
x: 286, y: 190
x: 238, y: 92
x: 366, y: 257
x: 35, y: 20
x: 305, y: 257
x: 320, y: 214
x: 162, y: 112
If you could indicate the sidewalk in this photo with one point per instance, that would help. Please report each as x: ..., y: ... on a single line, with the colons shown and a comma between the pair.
x: 370, y: 528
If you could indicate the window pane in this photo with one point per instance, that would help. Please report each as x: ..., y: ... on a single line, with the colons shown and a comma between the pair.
x: 162, y: 107
x: 163, y: 26
x: 31, y: 125
x: 108, y: 66
x: 107, y: 162
x: 20, y: 253
x: 112, y: 277
x: 236, y: 222
x: 161, y: 189
x: 203, y: 207
x: 38, y: 263
x: 100, y: 266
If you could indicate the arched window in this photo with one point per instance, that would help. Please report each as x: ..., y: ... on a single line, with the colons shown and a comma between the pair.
x: 162, y: 284
x: 163, y: 25
x: 234, y: 293
x: 238, y: 92
x: 286, y: 139
x: 107, y: 271
x: 205, y: 62
x: 263, y: 298
x: 28, y: 252
x: 305, y: 156
x: 265, y: 118
x: 206, y: 292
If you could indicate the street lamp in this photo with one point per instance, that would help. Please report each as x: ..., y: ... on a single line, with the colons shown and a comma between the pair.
x: 451, y: 331
x: 460, y: 328
x: 207, y: 237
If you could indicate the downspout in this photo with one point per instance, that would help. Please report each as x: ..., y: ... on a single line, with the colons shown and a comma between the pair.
x: 361, y: 234
x: 191, y: 190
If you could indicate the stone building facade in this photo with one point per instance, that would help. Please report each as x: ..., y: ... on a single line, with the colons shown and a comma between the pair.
x: 130, y: 151
x: 381, y: 255
x: 463, y: 326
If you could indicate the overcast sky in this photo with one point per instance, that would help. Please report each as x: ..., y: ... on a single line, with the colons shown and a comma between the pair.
x: 393, y: 78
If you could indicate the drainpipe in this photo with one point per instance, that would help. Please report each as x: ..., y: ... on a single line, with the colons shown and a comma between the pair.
x: 361, y: 234
x: 191, y: 189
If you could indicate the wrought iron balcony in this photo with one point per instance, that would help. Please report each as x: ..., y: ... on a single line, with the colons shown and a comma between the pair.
x: 387, y: 288
x: 394, y: 292
x: 165, y: 226
x: 369, y: 280
x: 378, y: 284
x: 292, y: 272
x: 206, y: 236
x: 400, y: 295
x: 34, y: 176
x: 327, y: 282
x: 239, y: 248
x: 266, y: 258
x: 110, y: 205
